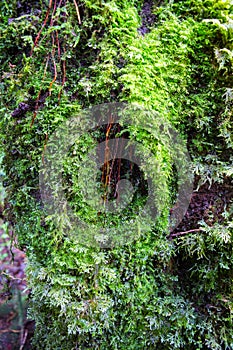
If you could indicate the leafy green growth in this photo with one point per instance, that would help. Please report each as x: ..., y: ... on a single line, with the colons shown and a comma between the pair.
x: 152, y: 293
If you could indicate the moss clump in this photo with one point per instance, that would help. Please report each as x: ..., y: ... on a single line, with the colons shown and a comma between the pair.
x: 55, y: 62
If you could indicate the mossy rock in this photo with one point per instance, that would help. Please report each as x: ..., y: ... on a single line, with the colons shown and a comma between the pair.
x: 60, y: 60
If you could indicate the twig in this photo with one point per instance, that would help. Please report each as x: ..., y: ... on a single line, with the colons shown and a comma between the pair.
x: 77, y: 10
x: 24, y: 339
x: 11, y: 317
x: 43, y: 25
x: 9, y: 330
x: 54, y: 64
x: 9, y: 277
x: 53, y: 13
x: 185, y: 232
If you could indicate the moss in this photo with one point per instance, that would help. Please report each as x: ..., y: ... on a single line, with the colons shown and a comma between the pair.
x: 130, y: 296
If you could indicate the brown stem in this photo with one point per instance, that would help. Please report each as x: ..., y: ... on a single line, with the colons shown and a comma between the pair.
x: 10, y: 330
x: 24, y: 338
x: 54, y: 10
x: 182, y: 233
x: 54, y: 65
x: 43, y: 25
x: 77, y: 11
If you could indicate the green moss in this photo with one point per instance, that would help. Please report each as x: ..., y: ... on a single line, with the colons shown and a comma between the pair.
x: 131, y: 296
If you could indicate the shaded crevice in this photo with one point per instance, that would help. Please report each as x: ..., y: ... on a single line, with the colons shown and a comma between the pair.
x: 207, y: 204
x: 147, y: 16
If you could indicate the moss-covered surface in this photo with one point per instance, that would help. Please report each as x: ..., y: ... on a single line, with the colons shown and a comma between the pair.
x: 58, y: 58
